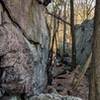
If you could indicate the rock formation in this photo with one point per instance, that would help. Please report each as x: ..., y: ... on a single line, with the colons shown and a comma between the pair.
x: 24, y: 43
x: 83, y: 35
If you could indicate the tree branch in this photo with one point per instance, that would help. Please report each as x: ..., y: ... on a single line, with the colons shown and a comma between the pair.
x: 58, y: 17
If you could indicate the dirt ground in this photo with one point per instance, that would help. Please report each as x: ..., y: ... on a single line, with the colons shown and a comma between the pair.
x: 63, y: 85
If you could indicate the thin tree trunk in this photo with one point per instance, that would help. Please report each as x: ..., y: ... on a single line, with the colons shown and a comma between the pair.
x: 72, y: 33
x: 95, y: 76
x: 64, y: 34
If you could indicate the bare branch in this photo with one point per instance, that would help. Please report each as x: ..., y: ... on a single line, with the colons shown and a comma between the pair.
x: 58, y: 17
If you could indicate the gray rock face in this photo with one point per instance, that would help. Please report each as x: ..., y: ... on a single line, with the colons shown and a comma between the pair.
x: 16, y: 61
x: 10, y: 98
x: 54, y: 96
x: 83, y: 35
x: 24, y: 43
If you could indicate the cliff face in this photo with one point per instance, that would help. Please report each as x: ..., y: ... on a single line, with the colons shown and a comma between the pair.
x: 24, y: 43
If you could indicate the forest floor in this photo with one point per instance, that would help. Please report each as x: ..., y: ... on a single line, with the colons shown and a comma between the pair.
x: 63, y: 84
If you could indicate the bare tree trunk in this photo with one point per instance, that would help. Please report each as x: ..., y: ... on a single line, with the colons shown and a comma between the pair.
x: 53, y: 40
x: 72, y: 33
x: 64, y: 34
x: 95, y: 74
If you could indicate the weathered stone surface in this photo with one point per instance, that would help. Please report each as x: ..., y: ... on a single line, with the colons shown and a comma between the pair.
x: 10, y: 98
x: 23, y: 47
x: 54, y: 96
x: 83, y: 35
x: 57, y: 71
x: 16, y: 61
x: 30, y: 17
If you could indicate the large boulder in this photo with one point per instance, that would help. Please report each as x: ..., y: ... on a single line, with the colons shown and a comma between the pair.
x: 24, y: 43
x: 83, y: 34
